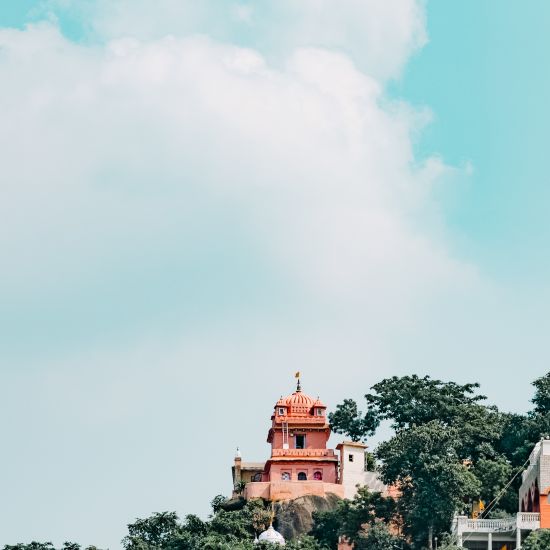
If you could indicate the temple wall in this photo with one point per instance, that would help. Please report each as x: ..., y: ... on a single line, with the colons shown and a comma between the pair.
x: 288, y: 490
x: 328, y: 470
x: 314, y: 440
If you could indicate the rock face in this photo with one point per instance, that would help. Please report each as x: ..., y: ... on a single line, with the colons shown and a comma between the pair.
x: 294, y: 517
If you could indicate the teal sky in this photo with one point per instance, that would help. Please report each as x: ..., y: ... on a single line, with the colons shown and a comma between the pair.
x: 200, y: 199
x: 483, y: 76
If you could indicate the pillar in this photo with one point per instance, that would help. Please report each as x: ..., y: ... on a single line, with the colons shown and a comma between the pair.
x: 518, y: 538
x: 237, y: 470
x: 490, y: 541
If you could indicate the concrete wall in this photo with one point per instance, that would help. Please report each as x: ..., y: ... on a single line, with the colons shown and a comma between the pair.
x: 352, y: 468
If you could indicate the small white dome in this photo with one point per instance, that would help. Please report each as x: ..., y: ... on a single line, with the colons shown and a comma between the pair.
x: 272, y: 536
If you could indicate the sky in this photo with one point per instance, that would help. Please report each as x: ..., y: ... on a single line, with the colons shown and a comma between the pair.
x: 199, y: 199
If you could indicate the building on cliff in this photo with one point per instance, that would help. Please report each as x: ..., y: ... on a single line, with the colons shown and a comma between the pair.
x: 300, y: 463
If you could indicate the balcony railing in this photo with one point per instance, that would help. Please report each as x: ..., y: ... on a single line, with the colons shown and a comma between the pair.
x: 523, y: 520
x: 491, y: 525
x: 528, y: 520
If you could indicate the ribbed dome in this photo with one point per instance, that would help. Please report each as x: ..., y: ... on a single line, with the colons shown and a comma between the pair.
x: 297, y: 404
x: 299, y: 399
x: 272, y: 536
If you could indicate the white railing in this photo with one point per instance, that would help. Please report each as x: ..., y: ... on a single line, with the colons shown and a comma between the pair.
x: 523, y: 520
x: 528, y: 520
x: 491, y: 525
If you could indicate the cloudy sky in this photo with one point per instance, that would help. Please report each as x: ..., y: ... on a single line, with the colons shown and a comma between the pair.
x: 200, y: 198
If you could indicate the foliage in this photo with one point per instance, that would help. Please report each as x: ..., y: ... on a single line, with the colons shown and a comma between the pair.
x: 240, y: 487
x: 449, y: 542
x: 537, y: 540
x: 411, y: 400
x: 350, y: 516
x: 45, y: 546
x: 448, y: 447
x: 347, y: 419
x: 422, y: 461
x: 493, y: 476
x: 304, y: 542
x: 31, y: 546
x: 378, y: 537
x: 153, y: 532
x: 217, y: 502
x: 541, y: 400
x: 327, y: 525
x: 231, y: 530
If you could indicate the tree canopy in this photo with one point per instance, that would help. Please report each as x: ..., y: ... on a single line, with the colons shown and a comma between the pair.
x: 537, y: 540
x: 449, y: 447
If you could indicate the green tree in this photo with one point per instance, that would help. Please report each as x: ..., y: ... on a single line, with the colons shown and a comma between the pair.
x: 30, y: 546
x: 433, y: 480
x: 153, y: 532
x: 449, y: 542
x: 541, y: 400
x: 305, y: 542
x: 350, y: 517
x: 537, y: 540
x: 347, y: 419
x: 493, y: 475
x: 378, y: 537
x: 412, y: 401
x: 329, y: 524
x: 217, y: 503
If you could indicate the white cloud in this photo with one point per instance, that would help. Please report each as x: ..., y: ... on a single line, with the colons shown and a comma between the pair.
x: 281, y: 191
x: 124, y: 146
x: 380, y: 35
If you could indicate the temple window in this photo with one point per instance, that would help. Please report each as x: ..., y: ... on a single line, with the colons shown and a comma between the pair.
x: 318, y: 476
x: 281, y: 411
x: 319, y: 412
x: 300, y: 441
x: 302, y: 476
x: 350, y: 458
x: 285, y: 476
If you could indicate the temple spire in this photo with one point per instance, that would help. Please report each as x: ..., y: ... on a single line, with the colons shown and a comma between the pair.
x: 298, y: 385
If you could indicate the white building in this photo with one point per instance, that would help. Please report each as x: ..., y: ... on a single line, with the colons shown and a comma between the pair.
x: 534, y: 506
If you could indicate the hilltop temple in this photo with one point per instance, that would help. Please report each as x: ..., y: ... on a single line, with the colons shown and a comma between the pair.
x: 300, y: 463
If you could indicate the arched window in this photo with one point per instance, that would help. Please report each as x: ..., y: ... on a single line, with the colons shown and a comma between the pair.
x: 318, y: 476
x: 257, y: 477
x: 302, y: 476
x: 285, y: 476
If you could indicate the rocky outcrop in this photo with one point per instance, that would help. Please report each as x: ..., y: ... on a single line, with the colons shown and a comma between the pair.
x: 295, y: 517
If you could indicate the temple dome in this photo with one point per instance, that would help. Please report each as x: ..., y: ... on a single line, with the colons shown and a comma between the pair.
x: 299, y: 399
x: 270, y: 535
